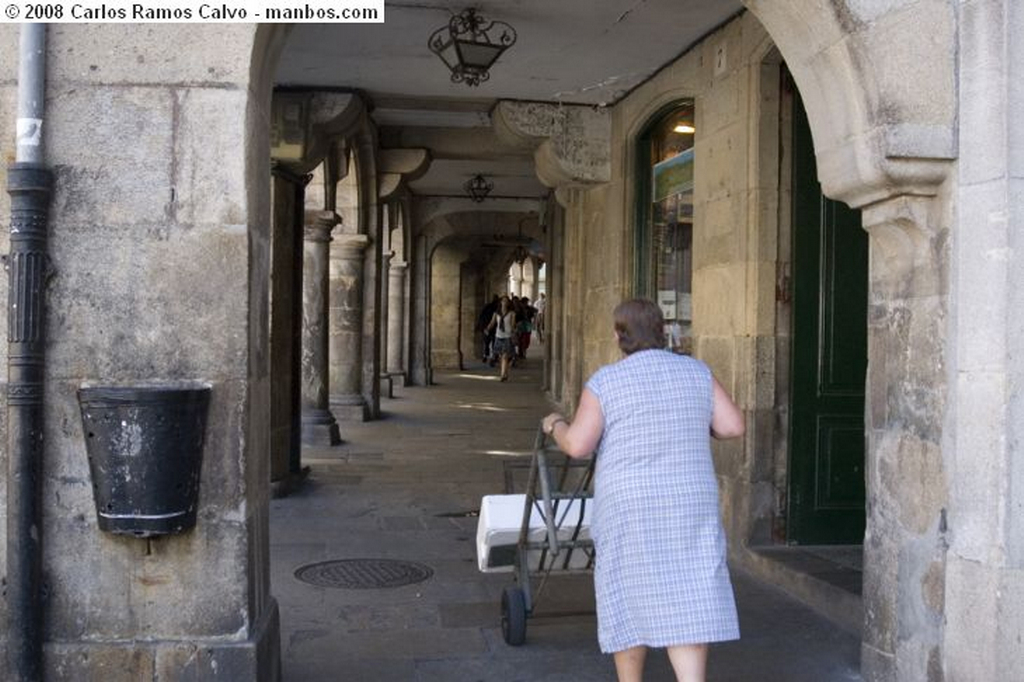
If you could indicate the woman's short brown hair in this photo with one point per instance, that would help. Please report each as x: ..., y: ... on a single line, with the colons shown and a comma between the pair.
x: 639, y: 324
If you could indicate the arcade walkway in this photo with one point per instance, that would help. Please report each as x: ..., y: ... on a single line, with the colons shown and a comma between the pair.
x: 401, y: 488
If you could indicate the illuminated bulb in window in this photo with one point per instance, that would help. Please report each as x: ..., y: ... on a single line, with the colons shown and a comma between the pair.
x: 685, y: 128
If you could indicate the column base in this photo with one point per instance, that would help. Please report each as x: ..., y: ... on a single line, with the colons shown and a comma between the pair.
x: 320, y: 429
x: 350, y: 408
x: 292, y: 482
x: 387, y: 387
x: 257, y: 658
x: 399, y: 379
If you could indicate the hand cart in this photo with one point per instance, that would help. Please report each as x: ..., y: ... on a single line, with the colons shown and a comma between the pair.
x: 563, y: 511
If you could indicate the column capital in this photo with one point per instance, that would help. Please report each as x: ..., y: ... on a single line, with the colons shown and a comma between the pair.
x: 398, y: 266
x: 319, y: 224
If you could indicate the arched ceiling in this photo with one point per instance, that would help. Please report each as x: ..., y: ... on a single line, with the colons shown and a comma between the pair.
x: 571, y: 51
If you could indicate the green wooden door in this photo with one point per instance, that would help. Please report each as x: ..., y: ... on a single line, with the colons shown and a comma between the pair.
x: 830, y: 256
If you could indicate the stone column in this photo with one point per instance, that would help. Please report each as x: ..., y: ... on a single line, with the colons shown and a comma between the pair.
x: 517, y: 279
x: 318, y: 424
x: 386, y: 388
x: 346, y: 330
x: 396, y: 320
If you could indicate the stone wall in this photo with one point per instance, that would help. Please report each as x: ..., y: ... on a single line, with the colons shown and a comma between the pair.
x: 734, y: 252
x: 942, y: 466
x: 159, y: 242
x: 983, y: 599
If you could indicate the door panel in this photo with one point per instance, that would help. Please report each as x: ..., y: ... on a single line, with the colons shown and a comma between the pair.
x: 830, y: 251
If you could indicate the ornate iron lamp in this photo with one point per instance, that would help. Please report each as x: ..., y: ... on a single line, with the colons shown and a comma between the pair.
x: 478, y: 187
x: 469, y: 45
x: 520, y: 255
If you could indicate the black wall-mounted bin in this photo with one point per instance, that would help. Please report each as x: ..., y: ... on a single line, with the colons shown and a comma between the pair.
x: 145, y: 447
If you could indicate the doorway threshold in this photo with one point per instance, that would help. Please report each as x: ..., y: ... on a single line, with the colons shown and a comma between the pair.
x: 827, y: 578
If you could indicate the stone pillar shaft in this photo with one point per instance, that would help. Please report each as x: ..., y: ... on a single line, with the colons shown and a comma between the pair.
x: 517, y: 279
x: 385, y: 377
x: 319, y: 426
x: 396, y: 318
x: 346, y: 329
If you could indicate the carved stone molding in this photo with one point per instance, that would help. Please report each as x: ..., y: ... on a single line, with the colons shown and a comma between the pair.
x: 571, y: 143
x: 883, y: 116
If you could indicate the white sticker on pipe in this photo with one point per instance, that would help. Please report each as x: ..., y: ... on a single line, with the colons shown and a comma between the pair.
x: 29, y: 131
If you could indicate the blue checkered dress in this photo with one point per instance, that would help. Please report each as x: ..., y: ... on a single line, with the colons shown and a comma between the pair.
x: 660, y: 576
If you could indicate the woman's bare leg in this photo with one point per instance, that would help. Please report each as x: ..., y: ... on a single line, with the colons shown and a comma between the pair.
x: 689, y: 661
x: 504, y: 366
x: 629, y: 664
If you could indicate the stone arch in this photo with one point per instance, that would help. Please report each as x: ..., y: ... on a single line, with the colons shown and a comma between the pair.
x: 878, y: 84
x: 874, y: 137
x: 442, y: 221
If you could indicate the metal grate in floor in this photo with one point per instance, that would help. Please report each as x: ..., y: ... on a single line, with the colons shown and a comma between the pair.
x: 363, y: 574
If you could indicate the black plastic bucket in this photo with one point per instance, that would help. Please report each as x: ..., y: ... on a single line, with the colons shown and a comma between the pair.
x: 145, y: 447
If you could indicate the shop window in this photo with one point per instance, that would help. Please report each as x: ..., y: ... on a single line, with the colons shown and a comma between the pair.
x: 664, y: 264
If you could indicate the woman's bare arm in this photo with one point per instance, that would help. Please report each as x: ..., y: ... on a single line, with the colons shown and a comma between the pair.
x: 726, y: 417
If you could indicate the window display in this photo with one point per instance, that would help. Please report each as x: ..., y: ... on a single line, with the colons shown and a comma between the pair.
x: 668, y: 222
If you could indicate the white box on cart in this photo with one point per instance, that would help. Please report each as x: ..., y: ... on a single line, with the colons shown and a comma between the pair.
x: 501, y: 517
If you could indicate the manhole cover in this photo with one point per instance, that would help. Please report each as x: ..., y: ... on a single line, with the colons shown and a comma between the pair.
x: 363, y: 574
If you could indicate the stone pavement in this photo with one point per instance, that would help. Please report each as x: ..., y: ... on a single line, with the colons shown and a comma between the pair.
x: 400, y: 488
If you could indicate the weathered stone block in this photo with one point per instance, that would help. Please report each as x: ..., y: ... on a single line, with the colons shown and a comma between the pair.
x: 718, y: 302
x: 983, y: 92
x: 90, y: 155
x: 978, y: 470
x: 719, y: 239
x: 217, y: 54
x: 881, y: 584
x: 1015, y: 100
x: 719, y: 354
x: 720, y: 164
x: 209, y: 179
x: 83, y: 663
x: 982, y: 264
x: 970, y: 649
x: 903, y: 36
x: 1010, y: 632
x: 912, y: 478
x: 122, y: 317
x: 720, y: 105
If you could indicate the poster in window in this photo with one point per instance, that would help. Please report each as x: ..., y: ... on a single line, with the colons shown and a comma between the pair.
x: 667, y: 303
x: 673, y: 175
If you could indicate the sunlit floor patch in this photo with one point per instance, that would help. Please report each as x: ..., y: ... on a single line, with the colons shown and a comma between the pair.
x: 486, y: 407
x: 507, y: 453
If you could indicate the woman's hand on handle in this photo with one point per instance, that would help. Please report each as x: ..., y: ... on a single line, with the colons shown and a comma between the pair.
x: 580, y: 438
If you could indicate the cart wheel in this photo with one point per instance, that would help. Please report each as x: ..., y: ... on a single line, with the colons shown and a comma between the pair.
x: 513, y: 616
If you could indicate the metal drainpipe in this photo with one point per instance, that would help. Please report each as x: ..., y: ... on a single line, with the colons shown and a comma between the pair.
x: 29, y: 183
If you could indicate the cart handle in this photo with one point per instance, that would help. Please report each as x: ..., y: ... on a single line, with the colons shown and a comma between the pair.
x: 545, y: 491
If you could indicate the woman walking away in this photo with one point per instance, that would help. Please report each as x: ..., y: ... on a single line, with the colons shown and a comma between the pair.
x: 504, y: 325
x: 660, y: 578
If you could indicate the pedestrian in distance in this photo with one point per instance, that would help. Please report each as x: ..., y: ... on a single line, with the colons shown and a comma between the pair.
x: 541, y: 305
x: 503, y: 322
x: 660, y: 576
x: 482, y: 322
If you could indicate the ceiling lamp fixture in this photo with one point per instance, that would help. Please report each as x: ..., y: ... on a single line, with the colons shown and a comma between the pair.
x: 685, y: 128
x: 469, y: 45
x: 520, y: 255
x: 478, y: 187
